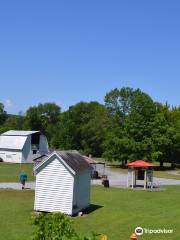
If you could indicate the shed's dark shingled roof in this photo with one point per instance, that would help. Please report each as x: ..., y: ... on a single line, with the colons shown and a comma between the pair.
x: 74, y: 159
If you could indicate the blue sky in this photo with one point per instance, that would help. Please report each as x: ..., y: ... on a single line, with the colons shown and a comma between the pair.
x: 70, y: 51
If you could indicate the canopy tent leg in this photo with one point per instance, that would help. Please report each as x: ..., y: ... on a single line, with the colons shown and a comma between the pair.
x: 145, y: 178
x: 132, y: 180
x: 152, y: 180
x: 128, y: 179
x: 135, y: 177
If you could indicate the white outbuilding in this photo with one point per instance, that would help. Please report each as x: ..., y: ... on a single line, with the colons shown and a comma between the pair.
x: 22, y: 146
x: 62, y: 183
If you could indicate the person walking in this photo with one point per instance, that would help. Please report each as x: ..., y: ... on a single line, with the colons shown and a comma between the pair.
x: 23, y: 178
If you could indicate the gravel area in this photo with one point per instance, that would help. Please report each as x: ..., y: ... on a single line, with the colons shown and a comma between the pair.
x: 120, y: 179
x: 17, y: 186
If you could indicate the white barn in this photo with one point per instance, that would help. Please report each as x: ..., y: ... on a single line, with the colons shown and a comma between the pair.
x: 62, y: 183
x: 22, y: 146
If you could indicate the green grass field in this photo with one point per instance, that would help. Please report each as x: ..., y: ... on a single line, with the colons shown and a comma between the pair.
x: 118, y: 212
x: 15, y: 212
x: 9, y: 172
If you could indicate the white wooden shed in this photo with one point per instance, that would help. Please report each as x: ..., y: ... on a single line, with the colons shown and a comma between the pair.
x: 22, y: 146
x: 62, y: 183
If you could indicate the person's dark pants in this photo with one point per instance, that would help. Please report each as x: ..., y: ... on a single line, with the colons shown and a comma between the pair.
x: 23, y: 183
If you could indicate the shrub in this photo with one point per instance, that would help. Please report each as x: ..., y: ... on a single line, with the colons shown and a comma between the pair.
x: 56, y: 226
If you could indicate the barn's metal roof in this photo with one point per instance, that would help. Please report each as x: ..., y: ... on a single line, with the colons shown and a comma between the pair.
x: 12, y: 142
x: 18, y: 133
x: 14, y: 139
x: 73, y: 159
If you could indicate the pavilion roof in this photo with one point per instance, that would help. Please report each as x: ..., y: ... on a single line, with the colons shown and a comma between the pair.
x: 140, y: 164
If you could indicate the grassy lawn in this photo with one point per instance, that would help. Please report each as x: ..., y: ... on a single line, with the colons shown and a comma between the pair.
x: 15, y: 209
x: 165, y: 174
x: 123, y: 210
x: 119, y: 211
x: 9, y: 172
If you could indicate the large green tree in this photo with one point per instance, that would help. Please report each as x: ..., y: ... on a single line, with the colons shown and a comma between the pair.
x: 44, y: 117
x: 119, y: 101
x: 134, y: 111
x: 3, y: 114
x: 82, y: 127
x: 129, y: 126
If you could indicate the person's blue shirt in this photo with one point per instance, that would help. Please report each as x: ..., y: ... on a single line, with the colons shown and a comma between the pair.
x: 23, y: 176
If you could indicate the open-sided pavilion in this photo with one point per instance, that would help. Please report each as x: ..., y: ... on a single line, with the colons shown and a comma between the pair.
x: 140, y: 170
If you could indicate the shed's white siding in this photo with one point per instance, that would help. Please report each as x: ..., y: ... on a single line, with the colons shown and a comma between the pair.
x: 54, y: 188
x: 82, y: 190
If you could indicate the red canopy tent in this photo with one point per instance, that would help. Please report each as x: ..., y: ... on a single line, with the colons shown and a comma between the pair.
x: 133, y: 170
x: 140, y: 164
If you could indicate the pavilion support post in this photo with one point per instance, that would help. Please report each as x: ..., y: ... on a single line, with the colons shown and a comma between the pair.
x: 145, y: 178
x: 135, y: 177
x: 132, y: 180
x: 128, y: 179
x: 151, y: 179
x: 104, y: 170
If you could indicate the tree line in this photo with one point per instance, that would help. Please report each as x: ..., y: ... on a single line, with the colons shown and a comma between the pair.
x: 128, y: 126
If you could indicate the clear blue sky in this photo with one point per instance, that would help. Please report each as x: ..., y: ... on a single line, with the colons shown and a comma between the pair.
x: 68, y: 51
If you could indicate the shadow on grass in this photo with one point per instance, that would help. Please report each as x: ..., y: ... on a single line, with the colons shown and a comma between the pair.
x: 92, y: 208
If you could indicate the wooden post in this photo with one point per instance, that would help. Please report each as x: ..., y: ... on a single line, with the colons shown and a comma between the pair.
x: 132, y: 180
x: 145, y: 178
x: 151, y: 179
x: 128, y: 178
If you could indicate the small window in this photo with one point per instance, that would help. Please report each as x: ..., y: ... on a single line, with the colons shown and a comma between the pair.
x: 34, y: 151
